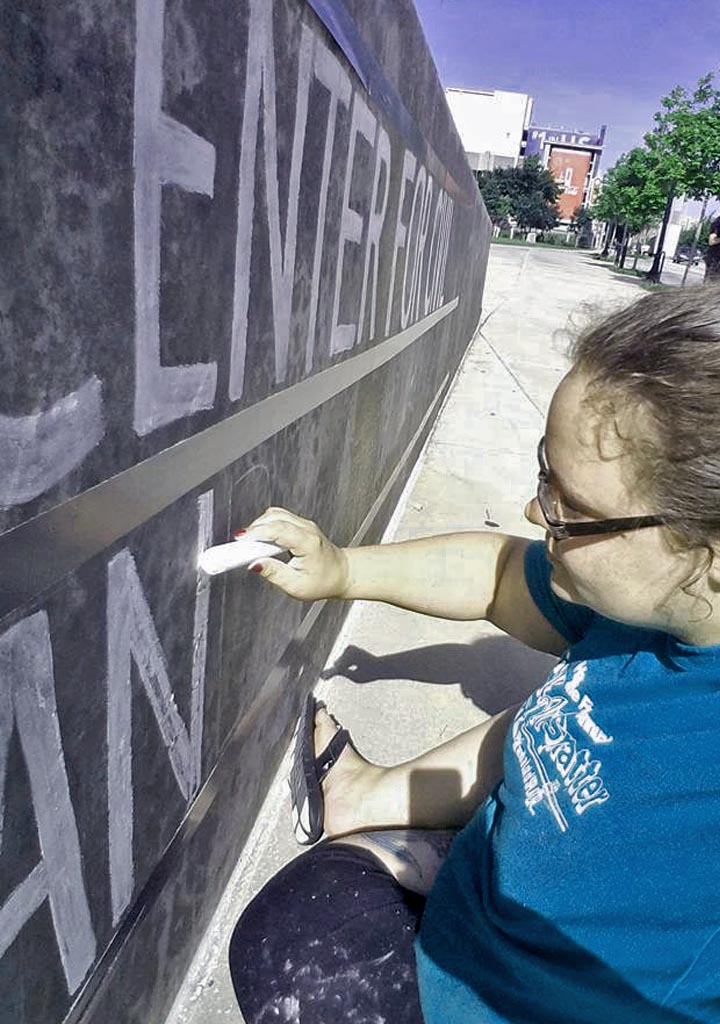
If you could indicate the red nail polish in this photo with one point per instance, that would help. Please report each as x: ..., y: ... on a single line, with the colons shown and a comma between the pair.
x: 256, y: 568
x: 238, y: 533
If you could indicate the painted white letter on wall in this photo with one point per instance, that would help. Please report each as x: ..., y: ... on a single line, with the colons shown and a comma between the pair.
x: 434, y: 254
x: 444, y: 249
x: 131, y: 636
x: 27, y: 697
x: 166, y: 152
x: 421, y: 264
x: 408, y: 172
x: 38, y: 450
x: 412, y: 249
x: 332, y: 75
x: 260, y: 80
x: 375, y: 226
x: 363, y: 121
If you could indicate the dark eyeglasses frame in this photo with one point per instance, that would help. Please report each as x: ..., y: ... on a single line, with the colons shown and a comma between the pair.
x: 560, y: 530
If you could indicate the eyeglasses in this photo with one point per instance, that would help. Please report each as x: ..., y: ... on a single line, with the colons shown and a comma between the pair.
x: 551, y: 506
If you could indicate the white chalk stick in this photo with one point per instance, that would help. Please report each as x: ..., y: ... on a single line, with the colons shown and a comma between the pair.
x: 242, y: 551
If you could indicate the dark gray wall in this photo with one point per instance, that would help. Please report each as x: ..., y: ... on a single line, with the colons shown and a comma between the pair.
x: 242, y: 256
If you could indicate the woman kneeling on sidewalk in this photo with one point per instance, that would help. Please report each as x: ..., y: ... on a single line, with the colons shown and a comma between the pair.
x: 584, y: 886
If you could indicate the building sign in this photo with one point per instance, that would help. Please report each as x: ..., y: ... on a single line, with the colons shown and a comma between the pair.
x: 538, y: 138
x: 569, y: 168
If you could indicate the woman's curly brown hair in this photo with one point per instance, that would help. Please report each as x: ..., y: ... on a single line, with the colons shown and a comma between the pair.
x: 663, y: 354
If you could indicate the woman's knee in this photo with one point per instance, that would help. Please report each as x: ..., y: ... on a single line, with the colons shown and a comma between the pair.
x: 330, y: 915
x: 297, y: 909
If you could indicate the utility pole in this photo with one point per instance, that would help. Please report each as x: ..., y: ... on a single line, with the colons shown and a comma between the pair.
x: 653, y: 273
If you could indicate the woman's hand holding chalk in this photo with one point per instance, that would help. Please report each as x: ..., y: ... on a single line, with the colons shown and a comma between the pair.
x: 318, y: 569
x: 242, y: 551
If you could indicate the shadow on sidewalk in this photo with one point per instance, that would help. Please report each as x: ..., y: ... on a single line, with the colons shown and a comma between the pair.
x: 493, y: 672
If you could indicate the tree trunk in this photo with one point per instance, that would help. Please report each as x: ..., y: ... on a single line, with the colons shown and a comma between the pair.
x: 609, y: 235
x: 653, y: 273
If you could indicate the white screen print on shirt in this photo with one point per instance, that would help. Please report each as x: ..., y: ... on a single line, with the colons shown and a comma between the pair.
x: 550, y: 737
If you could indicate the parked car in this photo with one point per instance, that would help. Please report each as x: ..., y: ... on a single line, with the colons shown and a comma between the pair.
x: 682, y: 255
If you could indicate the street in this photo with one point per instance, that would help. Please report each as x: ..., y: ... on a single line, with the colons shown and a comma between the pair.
x: 672, y: 273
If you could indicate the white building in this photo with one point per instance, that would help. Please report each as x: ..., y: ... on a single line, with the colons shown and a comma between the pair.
x: 490, y: 125
x: 675, y: 226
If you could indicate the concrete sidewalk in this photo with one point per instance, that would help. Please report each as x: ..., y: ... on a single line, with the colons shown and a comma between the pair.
x: 403, y: 682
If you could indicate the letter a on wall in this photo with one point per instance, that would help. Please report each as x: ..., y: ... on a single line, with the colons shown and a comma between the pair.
x: 27, y: 700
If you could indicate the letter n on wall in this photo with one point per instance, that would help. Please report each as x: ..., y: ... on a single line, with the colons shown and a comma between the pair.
x: 131, y: 636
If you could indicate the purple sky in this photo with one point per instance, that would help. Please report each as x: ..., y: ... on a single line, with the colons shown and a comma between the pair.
x: 584, y: 64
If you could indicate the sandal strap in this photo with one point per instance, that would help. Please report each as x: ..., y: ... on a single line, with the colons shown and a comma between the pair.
x: 331, y: 753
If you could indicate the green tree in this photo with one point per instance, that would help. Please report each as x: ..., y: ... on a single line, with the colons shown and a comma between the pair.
x: 634, y: 195
x: 635, y: 191
x: 686, y: 139
x: 686, y: 144
x: 495, y: 195
x: 527, y: 193
x: 533, y: 211
x: 607, y: 208
x: 582, y: 226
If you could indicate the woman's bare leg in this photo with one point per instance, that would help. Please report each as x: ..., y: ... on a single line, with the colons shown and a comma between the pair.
x: 412, y: 856
x: 407, y: 814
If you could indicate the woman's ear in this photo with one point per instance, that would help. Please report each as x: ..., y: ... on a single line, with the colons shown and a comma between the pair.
x: 713, y: 568
x: 619, y: 428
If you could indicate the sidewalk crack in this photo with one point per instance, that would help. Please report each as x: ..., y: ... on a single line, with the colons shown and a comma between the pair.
x: 509, y: 369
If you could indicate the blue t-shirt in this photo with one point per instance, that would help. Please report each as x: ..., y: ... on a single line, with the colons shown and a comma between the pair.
x: 587, y: 887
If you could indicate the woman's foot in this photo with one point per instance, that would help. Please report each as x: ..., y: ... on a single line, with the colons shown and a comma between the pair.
x: 354, y: 813
x: 349, y: 785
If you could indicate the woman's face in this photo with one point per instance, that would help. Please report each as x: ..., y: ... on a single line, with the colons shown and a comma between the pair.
x: 634, y: 577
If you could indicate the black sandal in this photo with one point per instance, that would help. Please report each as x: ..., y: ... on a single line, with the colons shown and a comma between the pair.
x: 307, y: 773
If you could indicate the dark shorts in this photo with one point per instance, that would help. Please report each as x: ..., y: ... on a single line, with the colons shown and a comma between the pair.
x: 329, y: 940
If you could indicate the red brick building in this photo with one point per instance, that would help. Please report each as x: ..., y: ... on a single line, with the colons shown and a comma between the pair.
x: 573, y: 159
